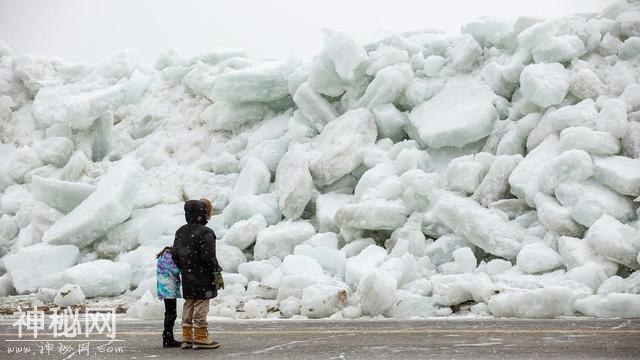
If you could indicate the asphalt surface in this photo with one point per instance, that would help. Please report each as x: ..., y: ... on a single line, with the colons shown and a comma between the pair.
x: 362, y: 339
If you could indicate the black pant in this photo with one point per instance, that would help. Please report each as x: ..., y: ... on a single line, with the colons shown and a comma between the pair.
x: 170, y: 315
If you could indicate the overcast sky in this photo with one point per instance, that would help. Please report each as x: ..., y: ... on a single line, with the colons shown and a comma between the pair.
x: 89, y: 30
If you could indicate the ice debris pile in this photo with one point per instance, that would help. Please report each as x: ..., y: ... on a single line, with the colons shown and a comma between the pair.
x: 496, y: 171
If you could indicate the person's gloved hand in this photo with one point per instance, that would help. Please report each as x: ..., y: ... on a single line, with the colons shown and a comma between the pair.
x: 218, y: 280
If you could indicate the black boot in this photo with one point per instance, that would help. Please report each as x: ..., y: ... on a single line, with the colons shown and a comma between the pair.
x: 168, y: 340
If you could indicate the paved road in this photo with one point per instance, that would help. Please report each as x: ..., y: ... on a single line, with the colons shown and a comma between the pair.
x: 386, y: 339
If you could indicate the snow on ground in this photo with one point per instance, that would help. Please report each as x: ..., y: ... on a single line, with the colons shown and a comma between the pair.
x: 495, y: 172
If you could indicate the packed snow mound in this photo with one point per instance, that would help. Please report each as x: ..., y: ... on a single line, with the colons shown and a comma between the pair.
x: 496, y: 171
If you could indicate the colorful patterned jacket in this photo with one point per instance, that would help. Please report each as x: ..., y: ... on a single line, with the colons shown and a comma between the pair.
x: 168, y: 277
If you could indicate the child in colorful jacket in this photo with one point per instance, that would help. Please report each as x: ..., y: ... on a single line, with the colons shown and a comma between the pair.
x: 168, y: 289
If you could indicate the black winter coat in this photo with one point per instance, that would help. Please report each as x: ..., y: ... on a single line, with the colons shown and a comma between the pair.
x: 194, y: 252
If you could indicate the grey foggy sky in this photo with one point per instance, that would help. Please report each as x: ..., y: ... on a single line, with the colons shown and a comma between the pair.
x: 90, y: 30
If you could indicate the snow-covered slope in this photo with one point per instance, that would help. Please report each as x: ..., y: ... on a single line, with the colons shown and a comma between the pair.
x: 500, y: 166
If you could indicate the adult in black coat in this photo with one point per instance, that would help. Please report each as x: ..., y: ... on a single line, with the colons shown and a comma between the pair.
x: 194, y: 252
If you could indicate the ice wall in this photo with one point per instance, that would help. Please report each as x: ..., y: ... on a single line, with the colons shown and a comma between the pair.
x: 401, y: 177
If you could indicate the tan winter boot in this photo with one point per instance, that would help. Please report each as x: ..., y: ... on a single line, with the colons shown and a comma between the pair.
x: 201, y: 339
x: 187, y: 336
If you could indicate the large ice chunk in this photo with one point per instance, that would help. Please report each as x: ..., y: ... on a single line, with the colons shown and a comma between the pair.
x: 544, y: 84
x: 229, y: 257
x: 480, y: 226
x: 537, y: 257
x: 54, y: 150
x: 461, y: 113
x: 367, y: 261
x: 69, y: 295
x: 280, y: 240
x: 441, y: 250
x: 346, y: 55
x: 577, y: 252
x: 631, y: 141
x: 583, y: 113
x: 264, y: 82
x: 331, y: 260
x: 537, y: 34
x: 591, y: 141
x: 293, y: 184
x: 298, y: 273
x: 433, y: 64
x: 81, y: 110
x: 322, y: 75
x: 95, y: 278
x: 619, y: 173
x: 23, y: 161
x: 555, y: 217
x: 525, y: 177
x: 465, y: 259
x: 314, y: 107
x: 374, y: 214
x: 14, y: 198
x: 457, y: 288
x: 390, y: 121
x: 230, y: 116
x: 384, y: 56
x: 547, y: 302
x: 355, y: 246
x: 629, y: 49
x: 339, y: 145
x: 377, y: 293
x: 494, y: 75
x: 615, y: 241
x: 326, y: 207
x: 243, y: 233
x: 408, y: 305
x: 254, y: 179
x: 148, y: 308
x: 572, y: 165
x: 110, y: 205
x: 487, y: 30
x: 8, y: 227
x: 141, y: 261
x: 388, y: 84
x: 464, y: 175
x: 327, y: 239
x: 408, y: 239
x: 613, y: 305
x: 588, y: 201
x: 591, y: 275
x: 585, y: 84
x: 465, y: 53
x: 61, y: 195
x: 613, y: 117
x: 614, y: 284
x: 30, y: 265
x: 319, y: 301
x: 372, y: 179
x: 559, y: 49
x: 247, y: 206
x: 629, y: 23
x: 290, y: 306
x: 495, y: 185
